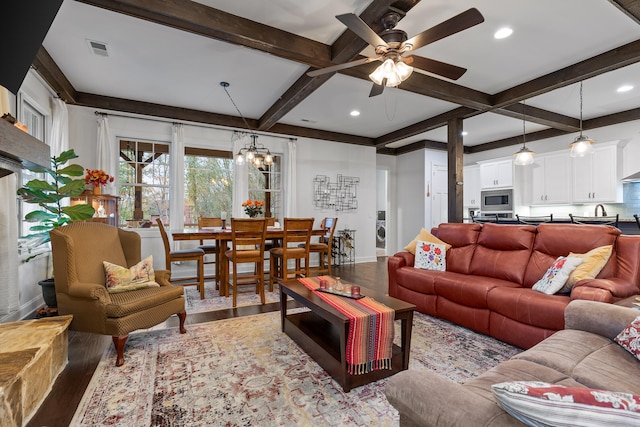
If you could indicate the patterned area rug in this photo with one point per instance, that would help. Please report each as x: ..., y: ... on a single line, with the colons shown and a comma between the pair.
x: 213, y: 301
x: 245, y: 372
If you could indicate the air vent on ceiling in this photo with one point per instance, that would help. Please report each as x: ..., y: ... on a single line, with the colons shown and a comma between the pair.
x: 98, y: 48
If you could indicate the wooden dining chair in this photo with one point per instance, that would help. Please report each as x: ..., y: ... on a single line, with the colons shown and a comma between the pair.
x: 195, y: 254
x: 296, y: 231
x: 210, y: 248
x: 247, y: 246
x: 323, y: 246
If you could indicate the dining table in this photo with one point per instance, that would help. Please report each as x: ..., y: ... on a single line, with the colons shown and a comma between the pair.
x: 222, y: 236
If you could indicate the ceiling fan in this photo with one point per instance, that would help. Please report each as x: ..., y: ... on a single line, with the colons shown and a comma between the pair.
x: 392, y: 47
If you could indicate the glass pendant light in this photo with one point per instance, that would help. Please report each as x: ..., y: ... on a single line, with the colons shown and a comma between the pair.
x: 582, y: 145
x: 524, y: 156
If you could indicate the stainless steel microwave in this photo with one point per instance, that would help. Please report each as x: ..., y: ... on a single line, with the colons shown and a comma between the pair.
x: 496, y: 200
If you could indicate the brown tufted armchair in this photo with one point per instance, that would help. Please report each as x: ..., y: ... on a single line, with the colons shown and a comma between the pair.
x: 78, y: 251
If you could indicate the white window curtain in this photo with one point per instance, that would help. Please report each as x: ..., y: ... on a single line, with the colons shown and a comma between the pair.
x: 106, y: 158
x: 290, y: 174
x: 176, y: 154
x: 59, y: 127
x: 9, y: 281
x: 240, y: 180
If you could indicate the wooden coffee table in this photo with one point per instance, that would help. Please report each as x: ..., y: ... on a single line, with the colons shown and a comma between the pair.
x: 322, y: 332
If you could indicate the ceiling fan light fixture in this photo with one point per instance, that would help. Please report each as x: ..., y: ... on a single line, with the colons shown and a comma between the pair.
x: 391, y: 72
x: 403, y: 70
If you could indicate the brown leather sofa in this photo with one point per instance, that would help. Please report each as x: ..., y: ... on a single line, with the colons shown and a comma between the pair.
x: 491, y: 268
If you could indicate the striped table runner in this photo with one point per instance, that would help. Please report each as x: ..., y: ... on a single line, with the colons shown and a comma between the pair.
x: 370, y: 338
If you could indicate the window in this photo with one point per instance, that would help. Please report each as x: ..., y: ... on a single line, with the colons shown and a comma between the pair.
x: 208, y: 183
x: 144, y: 182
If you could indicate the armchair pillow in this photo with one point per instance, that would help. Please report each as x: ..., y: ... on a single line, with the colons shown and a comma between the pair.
x: 122, y: 279
x: 629, y: 338
x: 424, y: 236
x: 542, y: 404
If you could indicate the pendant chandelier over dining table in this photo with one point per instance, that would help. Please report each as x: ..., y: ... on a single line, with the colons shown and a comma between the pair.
x: 254, y: 153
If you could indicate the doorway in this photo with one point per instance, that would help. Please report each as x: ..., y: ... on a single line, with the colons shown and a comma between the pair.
x: 438, y: 194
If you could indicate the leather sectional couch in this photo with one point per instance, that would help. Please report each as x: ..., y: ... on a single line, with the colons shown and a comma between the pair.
x: 490, y: 269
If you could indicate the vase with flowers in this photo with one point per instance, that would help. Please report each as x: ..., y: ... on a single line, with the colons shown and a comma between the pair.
x: 253, y: 208
x: 97, y: 178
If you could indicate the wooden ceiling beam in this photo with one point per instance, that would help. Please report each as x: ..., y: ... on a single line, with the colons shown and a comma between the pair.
x: 53, y: 75
x: 540, y: 116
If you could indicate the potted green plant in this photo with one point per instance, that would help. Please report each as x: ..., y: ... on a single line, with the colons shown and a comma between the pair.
x: 61, y: 184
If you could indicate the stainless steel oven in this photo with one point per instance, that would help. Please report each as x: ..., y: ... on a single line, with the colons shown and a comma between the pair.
x: 496, y: 200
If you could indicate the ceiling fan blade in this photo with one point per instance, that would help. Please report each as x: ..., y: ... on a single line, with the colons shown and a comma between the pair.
x: 339, y: 67
x: 466, y: 19
x: 443, y: 69
x: 377, y: 89
x: 358, y: 26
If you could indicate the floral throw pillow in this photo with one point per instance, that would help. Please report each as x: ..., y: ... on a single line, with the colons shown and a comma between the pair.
x: 542, y: 404
x: 629, y: 338
x: 122, y: 279
x: 557, y: 275
x: 430, y: 256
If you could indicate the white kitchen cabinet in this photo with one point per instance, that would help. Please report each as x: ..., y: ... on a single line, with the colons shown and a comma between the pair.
x: 496, y: 174
x: 595, y: 176
x: 550, y: 178
x: 471, y: 189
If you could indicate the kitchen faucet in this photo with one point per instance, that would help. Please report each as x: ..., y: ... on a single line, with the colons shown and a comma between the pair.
x: 604, y: 212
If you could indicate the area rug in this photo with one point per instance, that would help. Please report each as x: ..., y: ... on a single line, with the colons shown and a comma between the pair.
x: 246, y: 372
x: 213, y: 301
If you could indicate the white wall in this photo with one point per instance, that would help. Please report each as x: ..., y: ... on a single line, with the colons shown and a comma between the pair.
x: 410, y: 190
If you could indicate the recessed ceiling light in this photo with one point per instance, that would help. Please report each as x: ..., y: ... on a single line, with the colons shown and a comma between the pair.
x: 625, y: 88
x: 503, y: 33
x: 355, y: 113
x: 465, y: 133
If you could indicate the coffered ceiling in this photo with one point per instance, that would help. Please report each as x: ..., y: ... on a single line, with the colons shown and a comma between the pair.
x: 167, y: 58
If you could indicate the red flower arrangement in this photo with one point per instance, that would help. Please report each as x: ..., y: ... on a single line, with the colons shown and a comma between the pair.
x: 97, y: 177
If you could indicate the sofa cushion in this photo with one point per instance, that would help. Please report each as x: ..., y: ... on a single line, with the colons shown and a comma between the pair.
x: 468, y: 290
x: 529, y: 307
x: 503, y: 251
x: 417, y: 279
x: 430, y: 256
x: 557, y: 275
x: 424, y: 236
x: 463, y: 238
x: 554, y: 240
x: 541, y: 403
x: 592, y: 264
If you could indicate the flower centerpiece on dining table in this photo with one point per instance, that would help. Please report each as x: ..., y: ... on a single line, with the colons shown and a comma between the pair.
x: 97, y: 178
x: 253, y: 208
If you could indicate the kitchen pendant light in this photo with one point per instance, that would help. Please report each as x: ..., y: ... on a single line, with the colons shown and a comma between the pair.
x: 582, y: 145
x: 524, y: 156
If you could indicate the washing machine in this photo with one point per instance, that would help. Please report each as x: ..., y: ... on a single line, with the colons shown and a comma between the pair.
x: 381, y: 230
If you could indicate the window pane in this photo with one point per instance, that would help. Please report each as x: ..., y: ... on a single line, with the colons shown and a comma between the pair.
x: 144, y: 182
x: 208, y: 184
x: 265, y: 184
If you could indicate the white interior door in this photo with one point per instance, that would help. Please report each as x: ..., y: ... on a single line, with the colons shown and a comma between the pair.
x: 438, y: 194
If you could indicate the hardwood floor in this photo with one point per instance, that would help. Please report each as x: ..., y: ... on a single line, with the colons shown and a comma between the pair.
x: 86, y: 349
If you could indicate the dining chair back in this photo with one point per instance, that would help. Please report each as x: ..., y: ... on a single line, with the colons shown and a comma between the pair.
x: 599, y: 220
x: 295, y: 246
x: 534, y: 220
x: 171, y: 256
x: 247, y: 246
x: 210, y: 248
x: 637, y: 219
x: 323, y: 246
x: 485, y: 218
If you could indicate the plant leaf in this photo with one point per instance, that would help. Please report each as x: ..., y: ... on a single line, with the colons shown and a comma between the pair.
x: 72, y: 170
x: 65, y: 156
x: 79, y: 212
x: 36, y: 216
